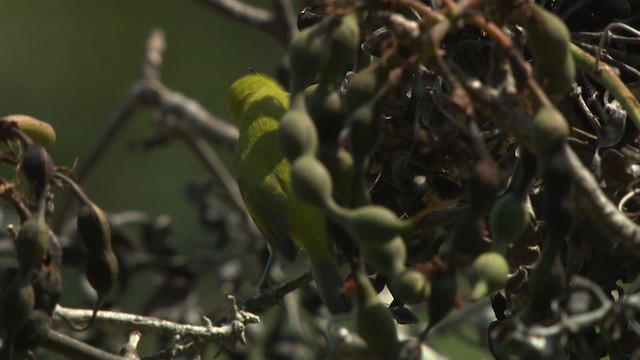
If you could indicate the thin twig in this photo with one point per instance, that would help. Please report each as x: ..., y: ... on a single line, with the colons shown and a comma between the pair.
x: 117, y: 319
x: 589, y: 195
x: 607, y: 77
x: 148, y: 91
x: 217, y: 168
x: 277, y: 24
x: 264, y: 300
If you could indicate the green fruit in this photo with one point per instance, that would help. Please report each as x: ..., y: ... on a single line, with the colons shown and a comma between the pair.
x: 297, y: 135
x: 508, y: 221
x: 371, y: 224
x: 364, y: 85
x: 556, y: 80
x: 548, y: 40
x: 488, y: 274
x: 345, y: 40
x: 374, y: 322
x: 365, y: 129
x: 325, y: 47
x: 308, y: 54
x: 32, y: 243
x: 549, y: 130
x: 340, y: 165
x: 388, y: 258
x: 39, y: 131
x: 547, y: 35
x: 325, y: 107
x: 311, y: 181
x: 411, y: 287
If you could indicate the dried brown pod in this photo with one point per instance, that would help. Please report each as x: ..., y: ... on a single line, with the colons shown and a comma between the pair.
x: 102, y: 265
x: 37, y: 166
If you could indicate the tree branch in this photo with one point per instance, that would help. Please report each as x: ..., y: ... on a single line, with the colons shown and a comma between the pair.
x: 280, y: 24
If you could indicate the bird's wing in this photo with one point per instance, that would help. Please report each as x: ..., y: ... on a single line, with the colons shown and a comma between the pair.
x: 268, y: 206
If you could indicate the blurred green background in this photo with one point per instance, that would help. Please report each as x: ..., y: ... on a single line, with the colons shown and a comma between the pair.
x: 71, y: 63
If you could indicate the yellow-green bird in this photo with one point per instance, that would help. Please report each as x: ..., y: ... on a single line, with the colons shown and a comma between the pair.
x: 256, y: 103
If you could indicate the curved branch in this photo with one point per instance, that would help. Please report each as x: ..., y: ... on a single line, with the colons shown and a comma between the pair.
x: 280, y: 24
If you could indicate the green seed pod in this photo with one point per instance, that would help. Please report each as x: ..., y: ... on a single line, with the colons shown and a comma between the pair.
x: 556, y: 80
x: 297, y: 135
x: 364, y: 85
x: 508, y: 221
x: 102, y: 265
x: 17, y: 305
x: 374, y: 322
x: 365, y: 129
x: 411, y: 287
x: 39, y: 131
x: 548, y: 40
x: 488, y: 274
x: 329, y: 281
x: 345, y: 40
x: 37, y: 166
x: 550, y: 129
x: 325, y: 107
x: 32, y: 243
x: 548, y: 37
x: 308, y: 54
x: 340, y: 165
x: 371, y: 224
x: 388, y: 258
x: 311, y: 181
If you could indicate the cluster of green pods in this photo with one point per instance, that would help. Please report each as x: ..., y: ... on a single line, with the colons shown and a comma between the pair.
x: 548, y: 39
x: 328, y: 173
x: 25, y: 295
x: 326, y: 47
